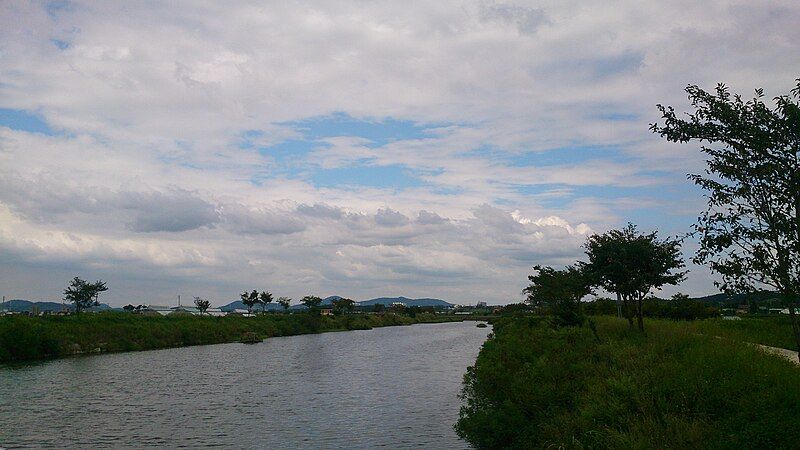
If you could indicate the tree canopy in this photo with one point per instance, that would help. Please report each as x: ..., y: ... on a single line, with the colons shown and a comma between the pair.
x: 84, y: 294
x: 631, y: 264
x: 202, y: 304
x: 249, y: 299
x: 560, y: 291
x: 750, y: 231
x: 311, y: 302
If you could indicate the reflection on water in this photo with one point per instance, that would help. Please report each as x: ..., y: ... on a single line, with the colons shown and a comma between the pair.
x: 392, y: 387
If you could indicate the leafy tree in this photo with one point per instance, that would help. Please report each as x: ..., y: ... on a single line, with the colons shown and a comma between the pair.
x: 560, y: 291
x: 84, y: 294
x: 202, y: 304
x: 312, y: 303
x: 343, y: 305
x: 129, y: 308
x: 378, y: 307
x: 750, y: 230
x: 249, y: 299
x: 284, y: 302
x: 264, y: 298
x: 631, y: 264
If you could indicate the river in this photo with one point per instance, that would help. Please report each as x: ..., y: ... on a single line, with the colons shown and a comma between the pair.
x: 393, y: 387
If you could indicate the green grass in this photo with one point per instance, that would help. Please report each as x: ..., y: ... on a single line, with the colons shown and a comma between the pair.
x: 537, y: 387
x: 24, y: 338
x: 774, y: 331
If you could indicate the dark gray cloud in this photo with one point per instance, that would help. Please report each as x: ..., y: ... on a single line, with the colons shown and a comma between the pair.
x: 172, y: 211
x: 390, y: 218
x: 430, y: 218
x: 240, y: 219
x: 526, y: 20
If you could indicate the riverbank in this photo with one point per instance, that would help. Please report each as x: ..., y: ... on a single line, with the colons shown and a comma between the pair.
x: 28, y: 338
x: 533, y: 387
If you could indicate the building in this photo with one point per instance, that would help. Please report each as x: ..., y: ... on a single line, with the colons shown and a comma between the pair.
x: 156, y: 309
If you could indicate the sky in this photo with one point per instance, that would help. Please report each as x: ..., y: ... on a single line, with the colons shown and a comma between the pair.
x: 362, y: 148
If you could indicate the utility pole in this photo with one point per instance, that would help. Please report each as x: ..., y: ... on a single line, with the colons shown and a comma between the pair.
x: 179, y: 299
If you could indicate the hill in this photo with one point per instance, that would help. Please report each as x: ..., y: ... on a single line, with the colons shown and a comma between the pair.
x: 239, y: 305
x: 19, y: 305
x: 737, y: 299
x: 387, y: 301
x: 327, y: 301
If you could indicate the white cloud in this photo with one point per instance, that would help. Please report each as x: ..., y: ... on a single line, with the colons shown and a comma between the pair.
x: 148, y: 172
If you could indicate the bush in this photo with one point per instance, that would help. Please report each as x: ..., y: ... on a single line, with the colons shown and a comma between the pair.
x: 537, y: 387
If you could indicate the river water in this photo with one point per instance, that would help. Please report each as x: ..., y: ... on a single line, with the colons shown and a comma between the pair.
x: 393, y: 387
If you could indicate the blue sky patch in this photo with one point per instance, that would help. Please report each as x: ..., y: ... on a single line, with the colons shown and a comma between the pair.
x: 378, y: 131
x: 397, y: 177
x: 20, y: 120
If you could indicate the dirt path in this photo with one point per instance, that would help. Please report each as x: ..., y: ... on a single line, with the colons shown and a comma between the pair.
x: 791, y: 355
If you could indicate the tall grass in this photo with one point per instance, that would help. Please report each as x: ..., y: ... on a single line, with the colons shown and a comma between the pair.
x: 23, y: 337
x: 537, y: 387
x: 775, y: 331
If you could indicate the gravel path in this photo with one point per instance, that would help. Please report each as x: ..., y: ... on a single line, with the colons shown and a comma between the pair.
x: 791, y: 355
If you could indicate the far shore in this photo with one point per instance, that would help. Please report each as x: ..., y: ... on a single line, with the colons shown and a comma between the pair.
x: 24, y: 338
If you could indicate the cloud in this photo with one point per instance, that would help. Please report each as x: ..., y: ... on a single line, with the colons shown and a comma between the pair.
x: 242, y: 220
x: 435, y: 149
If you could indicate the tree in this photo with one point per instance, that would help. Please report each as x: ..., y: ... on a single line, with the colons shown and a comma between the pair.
x: 750, y: 231
x: 284, y: 302
x: 129, y: 308
x: 312, y: 303
x: 264, y: 298
x: 83, y: 294
x: 378, y: 307
x: 202, y: 304
x: 560, y: 291
x: 249, y: 299
x: 343, y: 305
x: 630, y: 265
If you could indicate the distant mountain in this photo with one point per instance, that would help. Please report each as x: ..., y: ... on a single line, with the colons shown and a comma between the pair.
x: 387, y: 301
x: 239, y: 305
x: 27, y: 306
x: 738, y: 299
x: 327, y: 301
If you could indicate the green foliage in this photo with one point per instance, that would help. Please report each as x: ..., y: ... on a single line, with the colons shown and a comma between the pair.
x: 559, y: 292
x: 774, y: 331
x: 538, y: 387
x: 201, y: 304
x: 749, y: 233
x: 284, y: 302
x: 311, y: 302
x: 750, y: 230
x: 83, y: 294
x: 24, y: 337
x: 264, y: 298
x: 249, y: 299
x: 343, y: 306
x: 515, y: 309
x: 600, y: 306
x: 631, y: 264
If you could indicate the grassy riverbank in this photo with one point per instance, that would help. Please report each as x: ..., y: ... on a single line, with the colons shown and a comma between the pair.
x: 538, y: 387
x: 25, y: 338
x: 774, y: 331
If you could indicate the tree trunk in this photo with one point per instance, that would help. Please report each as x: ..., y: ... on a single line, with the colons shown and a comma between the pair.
x: 619, y: 306
x: 639, y: 319
x: 795, y: 327
x: 627, y: 307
